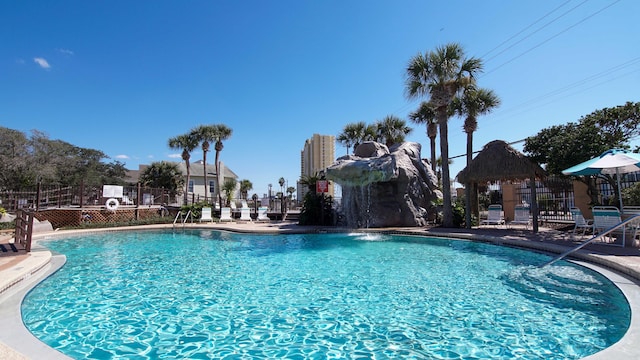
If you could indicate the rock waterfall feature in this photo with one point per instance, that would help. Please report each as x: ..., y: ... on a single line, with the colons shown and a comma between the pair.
x: 385, y: 187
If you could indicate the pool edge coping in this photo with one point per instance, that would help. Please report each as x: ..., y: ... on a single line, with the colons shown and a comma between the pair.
x: 626, y: 278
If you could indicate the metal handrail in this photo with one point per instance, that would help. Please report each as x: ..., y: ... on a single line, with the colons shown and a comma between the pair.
x: 183, y: 220
x: 623, y: 224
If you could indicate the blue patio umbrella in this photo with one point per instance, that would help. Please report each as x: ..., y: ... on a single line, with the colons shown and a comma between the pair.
x: 611, y: 162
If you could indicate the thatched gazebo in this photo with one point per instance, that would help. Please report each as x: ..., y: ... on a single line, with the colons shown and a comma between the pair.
x: 499, y: 161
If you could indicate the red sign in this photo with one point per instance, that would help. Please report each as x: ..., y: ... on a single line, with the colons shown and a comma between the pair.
x: 322, y: 186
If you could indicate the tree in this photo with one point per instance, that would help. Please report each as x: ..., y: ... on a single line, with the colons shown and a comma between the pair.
x: 206, y: 134
x: 245, y: 187
x: 187, y: 143
x: 563, y: 146
x: 440, y: 75
x: 291, y: 190
x: 470, y: 105
x: 355, y: 134
x: 229, y: 186
x: 163, y: 174
x: 392, y: 130
x: 222, y: 133
x: 426, y: 115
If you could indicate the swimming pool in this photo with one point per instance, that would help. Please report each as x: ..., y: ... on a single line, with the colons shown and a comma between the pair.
x: 208, y: 294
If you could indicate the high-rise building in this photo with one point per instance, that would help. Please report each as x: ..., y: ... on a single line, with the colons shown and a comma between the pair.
x: 319, y: 152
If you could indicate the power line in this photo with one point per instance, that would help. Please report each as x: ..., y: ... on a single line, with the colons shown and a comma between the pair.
x: 552, y: 37
x: 542, y: 27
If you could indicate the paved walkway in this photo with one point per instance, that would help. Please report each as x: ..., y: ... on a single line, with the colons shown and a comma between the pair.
x: 17, y: 271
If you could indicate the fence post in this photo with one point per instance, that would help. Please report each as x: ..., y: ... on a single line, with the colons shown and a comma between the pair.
x: 38, y: 195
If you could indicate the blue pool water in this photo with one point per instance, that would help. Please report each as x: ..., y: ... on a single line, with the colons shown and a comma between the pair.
x: 207, y: 294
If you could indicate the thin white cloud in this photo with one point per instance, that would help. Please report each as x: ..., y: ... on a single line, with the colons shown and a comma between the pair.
x: 20, y: 61
x: 125, y: 157
x: 65, y: 51
x: 42, y: 62
x: 175, y: 156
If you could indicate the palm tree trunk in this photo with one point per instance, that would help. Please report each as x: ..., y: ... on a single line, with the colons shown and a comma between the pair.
x: 204, y: 166
x: 218, y: 177
x: 447, y: 209
x: 467, y: 186
x: 186, y: 186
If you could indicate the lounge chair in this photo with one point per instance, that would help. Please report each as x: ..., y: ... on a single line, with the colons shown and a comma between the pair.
x: 580, y: 221
x: 521, y: 216
x: 225, y: 214
x: 604, y: 218
x: 262, y: 214
x: 206, y: 214
x: 495, y: 216
x: 245, y: 214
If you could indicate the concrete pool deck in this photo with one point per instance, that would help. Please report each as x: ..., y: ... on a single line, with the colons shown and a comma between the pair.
x: 18, y: 274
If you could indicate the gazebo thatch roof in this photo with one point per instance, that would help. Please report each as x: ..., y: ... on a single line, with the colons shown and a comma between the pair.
x: 499, y: 161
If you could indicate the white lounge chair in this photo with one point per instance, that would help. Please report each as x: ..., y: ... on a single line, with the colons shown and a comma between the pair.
x: 225, y: 214
x: 245, y: 214
x: 206, y: 214
x: 521, y: 216
x: 580, y: 221
x: 262, y: 214
x: 604, y: 218
x: 495, y: 216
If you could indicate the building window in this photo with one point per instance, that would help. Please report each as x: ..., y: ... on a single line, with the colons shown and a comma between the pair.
x: 190, y: 186
x: 211, y: 186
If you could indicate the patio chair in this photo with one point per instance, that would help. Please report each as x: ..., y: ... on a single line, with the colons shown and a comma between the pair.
x: 521, y: 216
x: 605, y: 217
x: 206, y: 214
x: 580, y: 221
x: 495, y: 217
x: 225, y: 214
x: 262, y: 214
x: 245, y: 214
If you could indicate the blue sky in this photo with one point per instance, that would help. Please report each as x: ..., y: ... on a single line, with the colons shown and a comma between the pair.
x: 125, y: 76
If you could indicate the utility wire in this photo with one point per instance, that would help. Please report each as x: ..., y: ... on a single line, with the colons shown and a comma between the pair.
x: 552, y: 37
x: 539, y: 29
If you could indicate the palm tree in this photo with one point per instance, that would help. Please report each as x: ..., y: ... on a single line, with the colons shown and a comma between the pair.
x: 222, y: 133
x: 205, y: 134
x: 440, y: 75
x: 245, y: 187
x: 426, y: 115
x: 354, y: 134
x: 187, y: 143
x: 472, y: 103
x: 392, y: 130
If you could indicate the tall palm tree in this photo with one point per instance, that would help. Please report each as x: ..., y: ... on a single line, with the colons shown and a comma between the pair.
x: 440, y: 75
x: 205, y: 135
x: 392, y: 130
x: 222, y: 133
x: 473, y: 102
x: 426, y: 115
x: 187, y: 143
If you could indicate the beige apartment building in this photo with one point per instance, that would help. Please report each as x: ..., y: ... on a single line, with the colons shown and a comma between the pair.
x: 319, y: 152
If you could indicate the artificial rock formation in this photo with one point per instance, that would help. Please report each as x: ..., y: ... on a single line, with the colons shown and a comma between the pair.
x: 384, y: 187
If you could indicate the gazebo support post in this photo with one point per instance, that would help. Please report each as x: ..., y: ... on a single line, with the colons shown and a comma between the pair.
x: 534, y: 203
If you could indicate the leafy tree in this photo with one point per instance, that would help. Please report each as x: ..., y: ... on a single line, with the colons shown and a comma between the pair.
x: 563, y: 146
x: 229, y: 186
x: 631, y: 195
x: 427, y: 115
x: 187, y: 143
x: 163, y: 174
x: 24, y: 161
x: 291, y: 190
x: 440, y: 75
x: 245, y: 187
x: 392, y: 130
